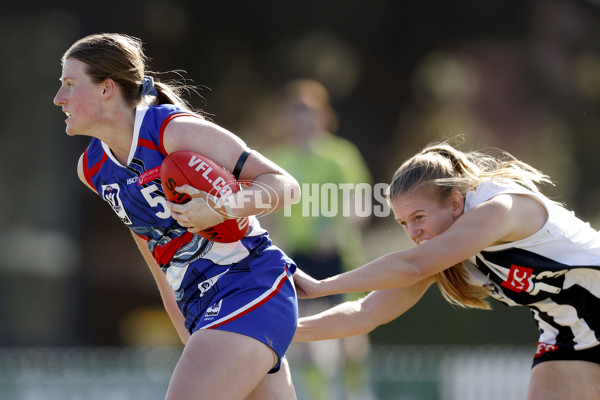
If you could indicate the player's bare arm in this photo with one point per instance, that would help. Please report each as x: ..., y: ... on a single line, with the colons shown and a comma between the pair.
x: 166, y: 293
x: 361, y: 316
x: 501, y: 219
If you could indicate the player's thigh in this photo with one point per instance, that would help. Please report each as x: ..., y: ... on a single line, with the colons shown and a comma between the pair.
x: 559, y: 380
x: 277, y: 386
x: 219, y: 365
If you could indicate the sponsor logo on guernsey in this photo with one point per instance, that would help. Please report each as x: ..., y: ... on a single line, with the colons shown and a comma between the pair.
x: 110, y: 194
x: 213, y: 310
x: 519, y: 279
x: 149, y: 175
x: 543, y: 348
x: 522, y: 279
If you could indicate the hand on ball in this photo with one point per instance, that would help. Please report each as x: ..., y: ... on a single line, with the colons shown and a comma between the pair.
x: 197, y: 214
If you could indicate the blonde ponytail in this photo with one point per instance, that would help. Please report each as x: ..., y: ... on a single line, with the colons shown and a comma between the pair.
x: 457, y: 290
x: 444, y: 169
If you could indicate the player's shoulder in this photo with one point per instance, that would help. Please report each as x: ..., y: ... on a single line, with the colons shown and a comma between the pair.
x: 166, y: 110
x: 156, y: 117
x: 488, y: 190
x: 81, y: 168
x: 92, y: 154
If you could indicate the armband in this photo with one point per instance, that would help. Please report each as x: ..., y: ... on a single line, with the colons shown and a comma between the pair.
x: 240, y: 164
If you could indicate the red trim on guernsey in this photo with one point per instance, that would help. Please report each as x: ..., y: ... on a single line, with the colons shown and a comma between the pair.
x: 241, y: 312
x: 89, y: 172
x: 164, y: 125
x: 149, y: 144
x: 163, y: 254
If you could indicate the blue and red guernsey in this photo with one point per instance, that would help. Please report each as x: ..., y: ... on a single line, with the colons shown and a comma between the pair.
x: 134, y: 190
x: 242, y: 287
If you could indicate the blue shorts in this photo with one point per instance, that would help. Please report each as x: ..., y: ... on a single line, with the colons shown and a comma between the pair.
x: 254, y: 297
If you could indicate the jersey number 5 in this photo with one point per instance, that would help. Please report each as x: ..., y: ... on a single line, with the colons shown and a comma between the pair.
x: 156, y: 201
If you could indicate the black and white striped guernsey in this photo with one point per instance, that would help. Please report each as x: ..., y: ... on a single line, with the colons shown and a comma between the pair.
x: 555, y: 272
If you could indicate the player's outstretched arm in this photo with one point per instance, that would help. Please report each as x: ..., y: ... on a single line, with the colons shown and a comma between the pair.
x: 360, y: 316
x: 166, y: 293
x: 504, y: 218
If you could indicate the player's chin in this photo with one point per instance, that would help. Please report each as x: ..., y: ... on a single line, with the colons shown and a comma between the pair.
x: 70, y: 131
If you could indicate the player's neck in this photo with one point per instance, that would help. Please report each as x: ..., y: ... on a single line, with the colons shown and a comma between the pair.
x: 117, y: 132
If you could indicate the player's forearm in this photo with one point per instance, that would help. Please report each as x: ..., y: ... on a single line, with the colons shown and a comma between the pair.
x: 166, y: 292
x: 392, y: 270
x: 363, y: 315
x: 178, y: 322
x: 170, y: 304
x: 338, y: 322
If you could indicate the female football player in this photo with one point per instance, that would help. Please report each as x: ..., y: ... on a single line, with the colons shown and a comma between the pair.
x: 233, y: 304
x: 482, y: 228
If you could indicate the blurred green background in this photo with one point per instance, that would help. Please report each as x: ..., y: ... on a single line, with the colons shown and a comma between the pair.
x: 516, y: 74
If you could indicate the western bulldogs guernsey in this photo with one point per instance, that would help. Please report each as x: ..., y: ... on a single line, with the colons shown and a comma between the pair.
x: 206, y: 276
x: 555, y: 272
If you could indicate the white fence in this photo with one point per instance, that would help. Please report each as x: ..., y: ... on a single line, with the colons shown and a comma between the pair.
x: 450, y: 373
x: 394, y: 373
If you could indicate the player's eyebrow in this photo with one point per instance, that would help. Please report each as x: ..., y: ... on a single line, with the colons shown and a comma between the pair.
x: 410, y: 215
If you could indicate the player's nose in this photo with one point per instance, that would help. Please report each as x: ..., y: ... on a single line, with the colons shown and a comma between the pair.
x: 59, y: 99
x: 414, y: 233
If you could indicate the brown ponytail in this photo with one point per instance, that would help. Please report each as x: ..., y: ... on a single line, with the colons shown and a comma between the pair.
x: 121, y: 58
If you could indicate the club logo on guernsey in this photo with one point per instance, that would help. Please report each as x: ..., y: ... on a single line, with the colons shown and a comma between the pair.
x: 110, y: 194
x: 204, y: 286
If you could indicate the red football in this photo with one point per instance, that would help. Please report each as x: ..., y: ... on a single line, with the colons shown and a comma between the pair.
x: 187, y: 167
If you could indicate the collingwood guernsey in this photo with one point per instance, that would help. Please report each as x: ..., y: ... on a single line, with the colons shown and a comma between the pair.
x: 555, y: 272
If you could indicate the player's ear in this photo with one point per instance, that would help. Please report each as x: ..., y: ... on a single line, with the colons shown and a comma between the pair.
x: 457, y: 201
x: 108, y: 88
